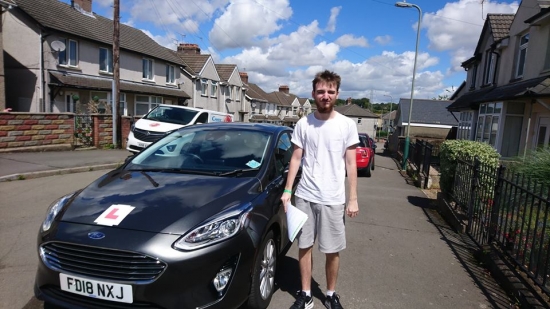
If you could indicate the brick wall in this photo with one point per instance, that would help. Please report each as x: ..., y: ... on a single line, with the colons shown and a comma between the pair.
x: 35, y: 129
x: 125, y: 124
x: 103, y: 130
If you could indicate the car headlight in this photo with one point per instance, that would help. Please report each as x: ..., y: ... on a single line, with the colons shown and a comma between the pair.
x: 218, y: 229
x: 53, y: 210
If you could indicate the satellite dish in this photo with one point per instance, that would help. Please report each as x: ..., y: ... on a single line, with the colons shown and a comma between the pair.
x: 58, y: 46
x: 253, y: 104
x: 228, y: 100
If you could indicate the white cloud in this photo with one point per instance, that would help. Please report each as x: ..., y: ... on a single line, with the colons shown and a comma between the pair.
x: 457, y: 26
x: 331, y: 25
x: 348, y: 40
x: 383, y: 40
x: 255, y: 20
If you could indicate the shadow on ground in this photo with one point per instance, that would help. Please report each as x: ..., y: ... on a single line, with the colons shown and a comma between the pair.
x: 288, y: 279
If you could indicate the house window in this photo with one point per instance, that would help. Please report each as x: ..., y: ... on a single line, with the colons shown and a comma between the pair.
x: 204, y: 87
x: 523, y: 42
x: 170, y: 74
x: 105, y: 60
x: 294, y: 111
x: 358, y: 120
x: 473, y: 77
x: 229, y: 92
x: 104, y: 98
x: 214, y: 89
x: 237, y: 94
x: 147, y: 69
x: 465, y: 125
x: 146, y: 103
x: 490, y: 66
x: 69, y: 56
x: 488, y: 122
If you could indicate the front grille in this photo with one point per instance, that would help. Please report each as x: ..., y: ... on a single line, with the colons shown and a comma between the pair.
x: 55, y: 292
x: 147, y: 136
x: 101, y: 263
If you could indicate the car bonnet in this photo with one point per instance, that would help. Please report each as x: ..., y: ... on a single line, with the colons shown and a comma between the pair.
x: 157, y: 202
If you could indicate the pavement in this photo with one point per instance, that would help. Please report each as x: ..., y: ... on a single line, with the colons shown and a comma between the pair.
x: 27, y: 165
x: 402, y: 254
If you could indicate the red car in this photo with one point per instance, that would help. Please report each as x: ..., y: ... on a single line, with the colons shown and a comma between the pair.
x: 365, y: 154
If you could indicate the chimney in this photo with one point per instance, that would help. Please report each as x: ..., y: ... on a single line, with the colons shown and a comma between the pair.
x: 189, y: 49
x: 284, y: 89
x: 244, y: 77
x: 348, y: 101
x: 84, y: 5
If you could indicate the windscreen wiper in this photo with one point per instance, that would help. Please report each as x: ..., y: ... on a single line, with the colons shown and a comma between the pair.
x: 238, y: 172
x: 175, y: 170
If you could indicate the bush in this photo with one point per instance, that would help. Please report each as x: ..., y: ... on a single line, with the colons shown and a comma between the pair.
x: 535, y: 165
x: 452, y: 150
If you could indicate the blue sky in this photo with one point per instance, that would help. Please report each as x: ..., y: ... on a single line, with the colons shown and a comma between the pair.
x: 370, y: 43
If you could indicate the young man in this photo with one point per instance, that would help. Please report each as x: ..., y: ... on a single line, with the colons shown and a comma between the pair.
x: 326, y: 140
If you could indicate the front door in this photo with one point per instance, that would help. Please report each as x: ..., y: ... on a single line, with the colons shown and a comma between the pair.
x: 70, y: 102
x: 542, y: 133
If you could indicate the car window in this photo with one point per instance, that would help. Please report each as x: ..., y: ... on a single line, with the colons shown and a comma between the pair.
x: 212, y: 150
x: 171, y: 115
x: 363, y: 141
x: 283, y: 153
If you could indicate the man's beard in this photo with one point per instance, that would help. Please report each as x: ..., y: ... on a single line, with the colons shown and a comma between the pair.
x: 323, y: 109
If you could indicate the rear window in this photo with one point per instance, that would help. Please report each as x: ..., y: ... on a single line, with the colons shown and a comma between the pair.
x: 363, y: 141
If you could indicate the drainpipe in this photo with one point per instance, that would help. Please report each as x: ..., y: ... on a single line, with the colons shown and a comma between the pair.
x: 528, y: 128
x: 42, y: 98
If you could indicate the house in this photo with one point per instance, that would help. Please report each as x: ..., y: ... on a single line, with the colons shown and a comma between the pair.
x: 507, y: 103
x: 5, y: 5
x: 213, y: 86
x: 262, y: 108
x: 388, y: 121
x: 429, y: 119
x: 366, y: 121
x: 57, y: 55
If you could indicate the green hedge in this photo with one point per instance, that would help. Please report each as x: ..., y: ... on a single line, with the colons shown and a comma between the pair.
x: 452, y: 150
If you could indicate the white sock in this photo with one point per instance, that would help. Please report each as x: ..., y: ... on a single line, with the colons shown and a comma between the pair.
x: 330, y: 293
x: 308, y: 292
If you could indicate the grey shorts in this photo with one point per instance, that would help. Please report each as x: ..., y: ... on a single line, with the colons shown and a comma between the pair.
x: 324, y: 221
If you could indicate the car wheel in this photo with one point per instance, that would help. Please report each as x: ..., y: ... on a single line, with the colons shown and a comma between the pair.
x: 368, y: 170
x: 372, y: 165
x: 263, y: 278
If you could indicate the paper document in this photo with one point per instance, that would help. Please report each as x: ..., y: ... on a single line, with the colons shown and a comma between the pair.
x: 295, y: 220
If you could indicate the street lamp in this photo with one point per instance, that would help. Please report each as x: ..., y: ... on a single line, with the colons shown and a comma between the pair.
x: 407, y: 138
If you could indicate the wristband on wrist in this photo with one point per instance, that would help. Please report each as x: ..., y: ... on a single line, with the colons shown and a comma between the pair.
x: 287, y: 191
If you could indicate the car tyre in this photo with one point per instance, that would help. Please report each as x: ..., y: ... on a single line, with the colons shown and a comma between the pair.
x: 368, y: 170
x: 372, y: 165
x: 263, y: 278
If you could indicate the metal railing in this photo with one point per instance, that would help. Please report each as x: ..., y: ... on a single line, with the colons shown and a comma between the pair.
x: 421, y: 156
x: 507, y: 209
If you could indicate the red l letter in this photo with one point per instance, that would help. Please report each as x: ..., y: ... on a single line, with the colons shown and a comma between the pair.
x: 112, y: 215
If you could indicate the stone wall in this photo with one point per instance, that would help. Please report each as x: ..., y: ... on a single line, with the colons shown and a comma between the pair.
x: 103, y: 130
x: 20, y: 130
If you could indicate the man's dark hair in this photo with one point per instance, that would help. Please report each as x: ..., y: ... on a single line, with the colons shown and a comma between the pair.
x: 327, y: 77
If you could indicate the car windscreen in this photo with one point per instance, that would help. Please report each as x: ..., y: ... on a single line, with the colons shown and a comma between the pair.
x: 363, y: 141
x: 171, y: 115
x: 206, y: 149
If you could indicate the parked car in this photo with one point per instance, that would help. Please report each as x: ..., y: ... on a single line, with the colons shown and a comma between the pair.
x: 193, y: 221
x: 165, y: 118
x: 365, y: 155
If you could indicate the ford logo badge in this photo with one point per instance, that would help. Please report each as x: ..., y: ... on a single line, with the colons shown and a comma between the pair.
x: 96, y: 235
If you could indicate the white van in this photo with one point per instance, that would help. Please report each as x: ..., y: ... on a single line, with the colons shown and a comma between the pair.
x: 165, y: 118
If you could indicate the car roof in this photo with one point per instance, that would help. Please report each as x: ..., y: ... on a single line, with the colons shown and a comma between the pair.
x: 265, y: 127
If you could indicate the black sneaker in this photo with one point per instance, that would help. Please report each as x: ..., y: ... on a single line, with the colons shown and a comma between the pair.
x: 302, y: 301
x: 333, y: 302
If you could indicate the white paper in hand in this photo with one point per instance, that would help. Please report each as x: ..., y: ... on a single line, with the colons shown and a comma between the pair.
x: 295, y: 220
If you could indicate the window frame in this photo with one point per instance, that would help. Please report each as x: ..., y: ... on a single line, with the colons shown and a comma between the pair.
x: 151, y: 103
x: 109, y: 58
x: 213, y: 88
x: 170, y: 74
x: 490, y: 67
x: 204, y: 87
x: 522, y: 55
x: 148, y: 65
x: 64, y: 57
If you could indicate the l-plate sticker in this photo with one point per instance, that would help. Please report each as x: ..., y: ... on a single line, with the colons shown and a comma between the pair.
x: 114, y: 215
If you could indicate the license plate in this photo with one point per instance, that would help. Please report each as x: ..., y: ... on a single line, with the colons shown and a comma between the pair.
x: 142, y: 145
x: 96, y: 289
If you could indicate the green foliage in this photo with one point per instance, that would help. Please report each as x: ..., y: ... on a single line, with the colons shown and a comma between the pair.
x: 535, y: 165
x: 452, y: 150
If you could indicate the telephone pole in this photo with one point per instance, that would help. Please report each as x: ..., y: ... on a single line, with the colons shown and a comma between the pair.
x: 117, y: 140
